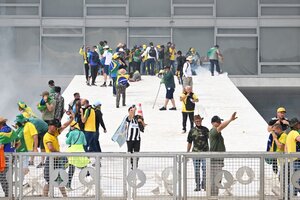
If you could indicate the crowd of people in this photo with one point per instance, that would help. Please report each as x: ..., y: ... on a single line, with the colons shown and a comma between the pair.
x: 119, y: 67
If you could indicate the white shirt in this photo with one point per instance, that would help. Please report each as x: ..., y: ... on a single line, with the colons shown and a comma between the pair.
x: 187, y: 70
x: 108, y: 57
x: 147, y: 52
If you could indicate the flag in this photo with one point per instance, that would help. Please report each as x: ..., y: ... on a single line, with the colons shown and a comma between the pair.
x: 120, y: 134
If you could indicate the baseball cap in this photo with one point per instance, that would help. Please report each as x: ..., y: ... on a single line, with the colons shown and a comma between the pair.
x: 281, y: 109
x: 97, y: 103
x: 216, y: 119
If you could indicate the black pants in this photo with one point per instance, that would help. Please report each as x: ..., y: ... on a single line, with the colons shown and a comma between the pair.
x: 86, y: 71
x: 185, y: 115
x: 212, y: 66
x: 94, y: 71
x: 133, y: 146
x: 136, y: 66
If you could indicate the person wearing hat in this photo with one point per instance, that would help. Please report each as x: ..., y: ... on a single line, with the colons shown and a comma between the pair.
x: 51, y: 144
x: 5, y: 147
x: 214, y: 54
x: 168, y: 80
x: 188, y: 99
x: 99, y: 121
x: 25, y: 110
x: 279, y: 119
x: 107, y: 56
x: 198, y: 138
x: 291, y: 146
x: 121, y: 85
x: 47, y: 106
x: 76, y: 141
x: 187, y: 79
x: 216, y: 144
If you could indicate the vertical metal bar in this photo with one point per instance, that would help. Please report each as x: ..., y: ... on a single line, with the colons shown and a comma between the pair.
x: 51, y: 170
x: 262, y: 178
x: 10, y: 175
x: 184, y: 178
x: 208, y: 176
x: 124, y: 178
x: 175, y: 177
x: 21, y: 176
x: 286, y: 177
x: 179, y: 175
x: 98, y: 181
x: 16, y: 172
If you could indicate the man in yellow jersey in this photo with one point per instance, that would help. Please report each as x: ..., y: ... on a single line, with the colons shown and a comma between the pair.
x: 88, y: 118
x: 291, y: 147
x: 51, y: 144
x: 188, y: 99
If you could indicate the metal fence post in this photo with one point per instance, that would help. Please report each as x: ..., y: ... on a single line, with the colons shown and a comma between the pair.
x: 21, y: 176
x: 184, y: 177
x: 124, y: 178
x: 179, y: 157
x: 51, y: 171
x: 286, y: 177
x: 175, y: 177
x: 98, y: 182
x: 10, y: 175
x: 262, y: 178
x: 208, y: 176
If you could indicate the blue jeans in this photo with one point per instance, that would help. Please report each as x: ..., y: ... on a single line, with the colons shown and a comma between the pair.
x: 150, y: 63
x: 197, y: 164
x: 114, y: 85
x: 90, y: 141
x: 143, y: 68
x: 212, y: 66
x: 172, y: 65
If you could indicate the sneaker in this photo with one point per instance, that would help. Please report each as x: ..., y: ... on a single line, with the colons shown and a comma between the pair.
x: 110, y: 85
x: 117, y: 106
x: 197, y: 189
x: 174, y: 108
x: 104, y: 85
x: 124, y: 104
x: 93, y: 84
x: 40, y: 165
x: 162, y: 108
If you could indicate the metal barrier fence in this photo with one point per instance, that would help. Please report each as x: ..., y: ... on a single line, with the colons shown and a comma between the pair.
x: 152, y: 176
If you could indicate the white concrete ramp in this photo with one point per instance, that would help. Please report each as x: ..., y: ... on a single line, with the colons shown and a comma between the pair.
x: 217, y: 96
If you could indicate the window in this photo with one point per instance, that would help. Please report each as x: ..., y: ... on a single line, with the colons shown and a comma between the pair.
x: 237, y: 8
x: 65, y: 8
x: 146, y: 8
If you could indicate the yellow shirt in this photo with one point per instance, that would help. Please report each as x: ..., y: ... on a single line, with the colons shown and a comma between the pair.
x: 172, y: 53
x: 291, y: 141
x: 29, y: 132
x: 282, y: 140
x: 90, y: 124
x: 49, y: 138
x: 194, y: 97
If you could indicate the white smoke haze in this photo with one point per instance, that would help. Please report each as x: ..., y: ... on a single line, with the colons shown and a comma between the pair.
x: 20, y: 82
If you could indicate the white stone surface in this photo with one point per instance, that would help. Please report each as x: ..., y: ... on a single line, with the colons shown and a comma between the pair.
x: 217, y: 96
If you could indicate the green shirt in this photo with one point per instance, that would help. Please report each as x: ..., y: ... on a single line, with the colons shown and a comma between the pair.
x: 216, y: 141
x: 199, y: 137
x: 169, y: 80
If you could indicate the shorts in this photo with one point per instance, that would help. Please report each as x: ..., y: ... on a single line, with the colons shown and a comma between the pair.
x: 170, y: 92
x: 106, y: 69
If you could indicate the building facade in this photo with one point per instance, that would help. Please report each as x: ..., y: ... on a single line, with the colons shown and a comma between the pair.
x: 259, y: 38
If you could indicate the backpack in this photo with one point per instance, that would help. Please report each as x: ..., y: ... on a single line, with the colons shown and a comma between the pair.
x: 123, y: 81
x: 189, y: 105
x: 152, y: 52
x: 95, y: 57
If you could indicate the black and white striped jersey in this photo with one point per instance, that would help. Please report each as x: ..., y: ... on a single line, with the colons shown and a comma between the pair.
x: 133, y: 131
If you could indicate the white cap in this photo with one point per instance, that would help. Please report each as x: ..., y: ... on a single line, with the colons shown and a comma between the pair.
x: 97, y: 103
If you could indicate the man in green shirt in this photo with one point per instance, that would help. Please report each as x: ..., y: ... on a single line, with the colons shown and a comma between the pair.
x: 168, y: 80
x: 216, y: 143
